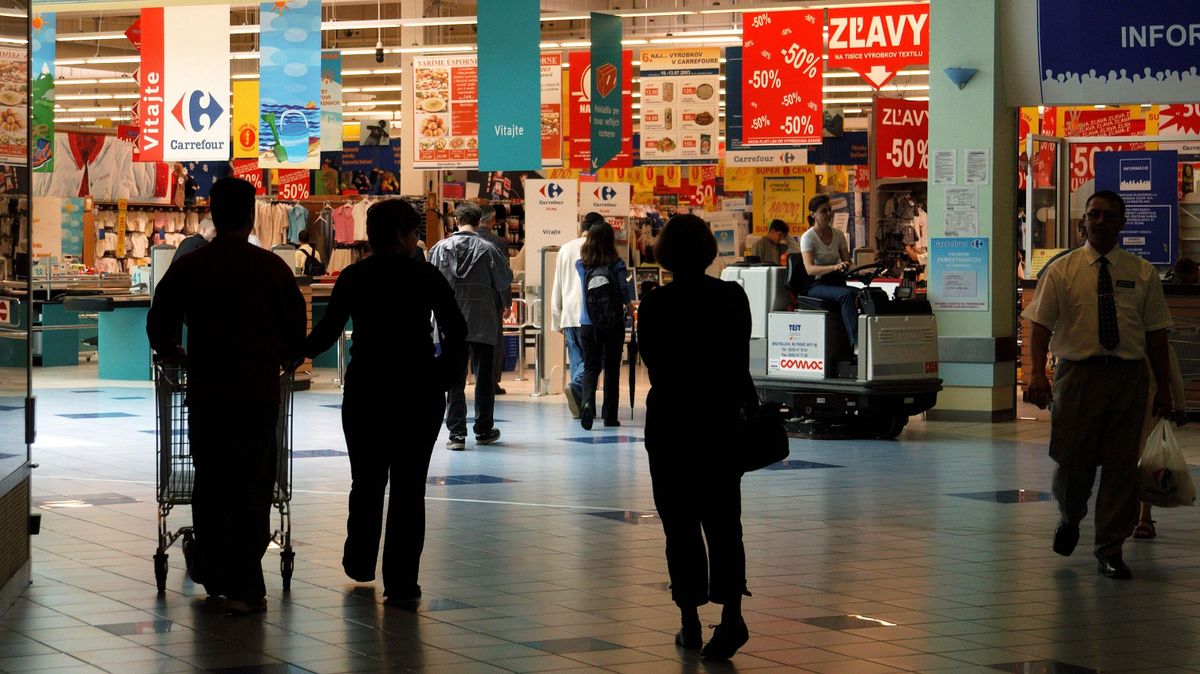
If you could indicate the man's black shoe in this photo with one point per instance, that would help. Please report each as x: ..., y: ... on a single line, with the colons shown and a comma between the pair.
x: 1066, y: 537
x: 1115, y: 568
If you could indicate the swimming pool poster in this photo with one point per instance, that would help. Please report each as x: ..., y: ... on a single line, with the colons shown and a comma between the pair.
x: 289, y: 73
x: 959, y: 273
x: 1148, y: 181
x: 680, y: 105
x: 331, y: 101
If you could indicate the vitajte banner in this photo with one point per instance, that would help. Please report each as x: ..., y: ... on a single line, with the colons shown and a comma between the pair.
x: 184, y: 102
x: 510, y: 85
x: 289, y: 74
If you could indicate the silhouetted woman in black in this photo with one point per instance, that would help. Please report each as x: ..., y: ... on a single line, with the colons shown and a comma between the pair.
x: 695, y: 339
x: 395, y: 392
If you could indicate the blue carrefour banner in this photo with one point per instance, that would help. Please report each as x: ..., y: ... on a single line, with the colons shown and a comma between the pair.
x: 606, y: 88
x: 510, y: 85
x: 1116, y: 51
x: 1148, y: 182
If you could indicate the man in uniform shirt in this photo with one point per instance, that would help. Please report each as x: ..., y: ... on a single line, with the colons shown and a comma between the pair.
x: 1101, y: 311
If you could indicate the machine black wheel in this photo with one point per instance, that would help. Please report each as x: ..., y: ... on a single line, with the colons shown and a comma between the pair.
x: 287, y: 563
x: 188, y: 541
x: 889, y: 427
x: 160, y: 571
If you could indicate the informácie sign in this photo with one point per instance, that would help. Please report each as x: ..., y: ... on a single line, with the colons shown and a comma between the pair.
x: 877, y: 42
x: 1112, y: 51
x: 510, y: 136
x: 1148, y: 182
x: 901, y: 138
x: 681, y: 101
x: 289, y: 74
x: 579, y: 98
x: 959, y: 273
x: 446, y: 116
x: 781, y: 78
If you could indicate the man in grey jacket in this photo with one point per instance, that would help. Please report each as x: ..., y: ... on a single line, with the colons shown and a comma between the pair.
x: 479, y: 276
x: 487, y: 231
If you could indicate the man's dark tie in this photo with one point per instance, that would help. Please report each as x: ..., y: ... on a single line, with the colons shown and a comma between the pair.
x: 1107, y: 306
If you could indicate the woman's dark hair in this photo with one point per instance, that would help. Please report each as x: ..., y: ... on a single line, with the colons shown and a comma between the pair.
x: 686, y: 245
x: 387, y: 222
x: 815, y: 205
x: 600, y: 248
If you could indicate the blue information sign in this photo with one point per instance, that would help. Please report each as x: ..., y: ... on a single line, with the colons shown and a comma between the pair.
x: 1148, y: 182
x: 510, y: 93
x: 959, y: 273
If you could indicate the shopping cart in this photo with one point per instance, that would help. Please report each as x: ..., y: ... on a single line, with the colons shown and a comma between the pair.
x: 1184, y: 338
x: 174, y: 472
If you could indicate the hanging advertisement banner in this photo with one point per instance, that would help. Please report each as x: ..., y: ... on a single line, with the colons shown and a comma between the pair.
x: 901, y: 138
x: 781, y: 78
x: 134, y: 33
x: 1148, y: 182
x: 510, y: 136
x: 736, y: 152
x: 552, y: 109
x: 1118, y: 52
x: 579, y: 98
x: 293, y: 184
x: 289, y: 73
x: 446, y: 119
x: 245, y: 119
x: 14, y: 111
x: 1179, y: 120
x: 877, y: 42
x: 331, y: 100
x: 607, y: 83
x: 1075, y: 122
x: 958, y: 268
x: 612, y: 200
x: 248, y: 170
x: 184, y: 100
x: 680, y: 105
x: 41, y: 92
x: 551, y: 219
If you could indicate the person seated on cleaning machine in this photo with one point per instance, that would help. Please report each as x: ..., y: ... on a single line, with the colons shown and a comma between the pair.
x: 826, y: 255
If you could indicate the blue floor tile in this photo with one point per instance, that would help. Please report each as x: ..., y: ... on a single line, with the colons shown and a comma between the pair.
x: 314, y: 453
x: 795, y: 464
x: 96, y: 415
x: 447, y: 480
x: 1008, y: 496
x: 605, y: 439
x: 626, y: 516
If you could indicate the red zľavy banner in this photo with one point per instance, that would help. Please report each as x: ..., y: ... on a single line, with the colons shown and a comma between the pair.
x: 877, y: 42
x: 901, y: 138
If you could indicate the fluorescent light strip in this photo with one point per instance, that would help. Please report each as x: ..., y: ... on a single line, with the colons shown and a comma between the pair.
x: 13, y: 40
x: 360, y: 104
x: 382, y: 87
x: 95, y: 80
x: 852, y: 88
x: 95, y: 97
x: 99, y: 108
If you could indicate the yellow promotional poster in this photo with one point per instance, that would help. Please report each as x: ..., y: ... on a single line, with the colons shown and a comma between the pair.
x: 672, y: 176
x: 1040, y: 257
x: 561, y: 174
x: 739, y: 178
x: 783, y: 198
x: 245, y: 119
x: 606, y: 175
x: 643, y: 179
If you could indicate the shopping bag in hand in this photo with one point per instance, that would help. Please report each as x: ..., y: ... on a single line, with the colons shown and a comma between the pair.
x: 1163, y: 478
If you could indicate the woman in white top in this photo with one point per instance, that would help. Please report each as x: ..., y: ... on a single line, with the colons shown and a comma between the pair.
x: 825, y: 250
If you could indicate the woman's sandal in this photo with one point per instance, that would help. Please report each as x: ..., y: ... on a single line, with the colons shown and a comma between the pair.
x: 1144, y: 529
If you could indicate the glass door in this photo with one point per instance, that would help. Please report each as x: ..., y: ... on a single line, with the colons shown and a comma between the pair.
x: 16, y: 401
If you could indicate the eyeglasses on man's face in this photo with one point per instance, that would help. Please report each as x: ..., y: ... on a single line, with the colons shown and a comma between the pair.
x: 1095, y: 215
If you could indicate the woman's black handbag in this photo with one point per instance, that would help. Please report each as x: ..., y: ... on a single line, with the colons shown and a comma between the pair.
x: 763, y: 439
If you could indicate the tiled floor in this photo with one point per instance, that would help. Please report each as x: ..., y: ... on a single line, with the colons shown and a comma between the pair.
x: 929, y: 554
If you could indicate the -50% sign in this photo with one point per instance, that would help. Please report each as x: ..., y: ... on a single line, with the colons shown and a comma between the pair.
x: 908, y: 153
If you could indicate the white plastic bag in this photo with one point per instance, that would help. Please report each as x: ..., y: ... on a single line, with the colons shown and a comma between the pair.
x: 1163, y: 478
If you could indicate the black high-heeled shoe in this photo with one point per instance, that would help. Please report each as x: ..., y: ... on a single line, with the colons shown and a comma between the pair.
x: 726, y: 640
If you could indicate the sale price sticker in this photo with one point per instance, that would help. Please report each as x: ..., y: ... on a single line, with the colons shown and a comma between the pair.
x: 781, y: 73
x: 294, y: 184
x: 901, y: 138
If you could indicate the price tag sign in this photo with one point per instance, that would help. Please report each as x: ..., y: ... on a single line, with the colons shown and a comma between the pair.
x: 781, y: 78
x: 293, y: 184
x: 901, y: 138
x: 247, y: 169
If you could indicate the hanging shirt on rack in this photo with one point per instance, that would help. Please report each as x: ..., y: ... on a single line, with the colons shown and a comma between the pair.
x: 297, y: 222
x: 343, y: 224
x: 360, y: 219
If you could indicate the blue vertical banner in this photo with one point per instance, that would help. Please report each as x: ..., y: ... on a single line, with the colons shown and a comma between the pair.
x: 1148, y: 182
x: 41, y: 90
x: 606, y: 88
x: 289, y: 74
x: 331, y: 101
x: 510, y: 85
x: 1116, y: 51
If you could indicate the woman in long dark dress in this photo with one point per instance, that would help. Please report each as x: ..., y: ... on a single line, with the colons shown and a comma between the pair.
x: 395, y: 392
x: 695, y: 341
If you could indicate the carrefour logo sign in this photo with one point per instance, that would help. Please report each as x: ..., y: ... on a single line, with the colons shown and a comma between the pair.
x: 551, y: 190
x: 197, y: 111
x: 605, y: 193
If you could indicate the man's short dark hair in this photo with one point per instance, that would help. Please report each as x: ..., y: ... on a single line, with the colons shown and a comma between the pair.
x: 686, y: 245
x: 1109, y: 196
x: 231, y: 202
x: 303, y: 236
x: 388, y: 221
x: 780, y: 226
x: 468, y: 214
